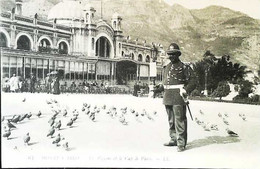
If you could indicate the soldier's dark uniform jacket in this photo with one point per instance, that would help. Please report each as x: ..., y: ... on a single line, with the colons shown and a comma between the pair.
x: 175, y: 74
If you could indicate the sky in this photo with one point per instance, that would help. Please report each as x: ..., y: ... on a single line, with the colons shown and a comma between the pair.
x: 249, y: 7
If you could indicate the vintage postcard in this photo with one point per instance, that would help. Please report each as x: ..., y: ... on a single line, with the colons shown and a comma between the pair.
x: 130, y: 83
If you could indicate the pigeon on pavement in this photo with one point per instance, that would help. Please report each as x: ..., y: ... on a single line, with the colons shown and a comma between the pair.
x: 29, y: 115
x: 57, y: 140
x: 66, y: 146
x: 24, y: 99
x: 10, y: 125
x: 26, y: 139
x: 51, y: 132
x: 65, y: 113
x: 16, y: 119
x: 7, y: 134
x: 39, y: 114
x: 70, y: 123
x: 231, y: 133
x: 58, y: 125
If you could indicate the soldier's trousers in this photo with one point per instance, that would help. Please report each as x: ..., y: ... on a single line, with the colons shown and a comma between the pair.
x: 177, y: 123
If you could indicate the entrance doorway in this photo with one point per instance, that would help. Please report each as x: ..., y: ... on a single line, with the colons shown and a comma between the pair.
x: 126, y: 72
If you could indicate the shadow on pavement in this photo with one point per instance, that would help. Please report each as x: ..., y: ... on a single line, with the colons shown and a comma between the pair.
x: 212, y: 140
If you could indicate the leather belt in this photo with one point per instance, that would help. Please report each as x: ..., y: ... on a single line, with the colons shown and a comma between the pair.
x: 173, y: 86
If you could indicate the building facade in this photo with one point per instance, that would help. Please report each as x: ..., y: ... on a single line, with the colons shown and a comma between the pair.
x: 74, y: 43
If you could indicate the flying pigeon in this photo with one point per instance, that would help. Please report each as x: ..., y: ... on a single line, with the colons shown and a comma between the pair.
x: 70, y: 123
x: 149, y: 117
x: 52, y: 121
x: 7, y: 134
x: 225, y: 114
x: 231, y: 133
x: 58, y: 125
x: 57, y: 140
x: 155, y: 112
x: 83, y: 109
x: 92, y: 116
x: 214, y: 127
x: 51, y: 132
x: 24, y: 100
x: 39, y: 114
x: 26, y: 139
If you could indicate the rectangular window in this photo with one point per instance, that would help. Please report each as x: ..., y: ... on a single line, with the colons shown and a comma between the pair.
x: 5, y: 63
x: 13, y: 64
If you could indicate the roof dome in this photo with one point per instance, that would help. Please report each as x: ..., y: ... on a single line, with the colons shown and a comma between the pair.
x: 66, y: 10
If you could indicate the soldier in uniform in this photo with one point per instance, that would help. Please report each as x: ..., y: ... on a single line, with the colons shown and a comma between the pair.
x: 175, y: 78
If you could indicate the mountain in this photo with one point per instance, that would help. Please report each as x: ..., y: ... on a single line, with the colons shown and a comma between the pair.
x: 215, y: 28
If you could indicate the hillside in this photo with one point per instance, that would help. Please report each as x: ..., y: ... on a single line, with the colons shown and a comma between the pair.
x: 214, y: 28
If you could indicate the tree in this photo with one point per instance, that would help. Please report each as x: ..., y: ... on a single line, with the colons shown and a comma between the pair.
x: 222, y: 90
x: 245, y: 88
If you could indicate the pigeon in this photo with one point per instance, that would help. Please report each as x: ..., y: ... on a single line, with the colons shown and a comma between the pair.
x: 29, y: 115
x: 225, y: 121
x: 70, y: 123
x: 56, y: 113
x: 88, y: 111
x: 98, y: 110
x: 26, y: 139
x: 219, y: 115
x: 144, y: 112
x: 104, y: 107
x: 155, y: 112
x: 201, y: 112
x: 48, y: 102
x: 39, y: 114
x: 16, y: 119
x: 10, y: 125
x: 52, y: 121
x: 75, y: 118
x: 24, y: 99
x: 149, y: 117
x: 225, y: 114
x: 58, y: 125
x: 57, y: 140
x: 65, y: 113
x: 83, y: 109
x: 85, y: 104
x: 7, y: 134
x: 51, y: 132
x: 231, y: 133
x: 92, y: 116
x: 22, y: 117
x: 214, y: 127
x: 244, y: 118
x: 65, y: 146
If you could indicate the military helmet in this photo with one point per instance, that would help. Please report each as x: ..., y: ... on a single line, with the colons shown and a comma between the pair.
x: 173, y: 49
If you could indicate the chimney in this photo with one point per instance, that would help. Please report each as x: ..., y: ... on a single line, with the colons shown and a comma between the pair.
x: 18, y: 7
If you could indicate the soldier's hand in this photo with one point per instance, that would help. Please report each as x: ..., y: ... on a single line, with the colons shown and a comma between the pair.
x: 184, y: 94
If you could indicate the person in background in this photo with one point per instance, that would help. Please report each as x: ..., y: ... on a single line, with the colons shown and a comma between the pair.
x: 32, y: 83
x: 14, y: 83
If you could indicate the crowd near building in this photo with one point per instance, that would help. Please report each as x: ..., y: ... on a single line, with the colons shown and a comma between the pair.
x: 74, y: 43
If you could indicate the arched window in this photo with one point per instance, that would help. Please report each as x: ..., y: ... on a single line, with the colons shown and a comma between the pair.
x: 140, y: 58
x: 23, y: 43
x: 103, y: 47
x: 147, y: 59
x: 3, y: 40
x: 44, y: 45
x: 87, y: 17
x: 63, y: 48
x: 132, y: 56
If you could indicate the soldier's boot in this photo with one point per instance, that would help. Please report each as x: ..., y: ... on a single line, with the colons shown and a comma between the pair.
x: 171, y: 143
